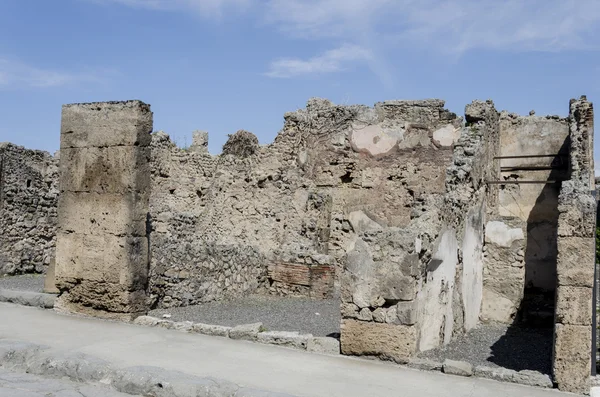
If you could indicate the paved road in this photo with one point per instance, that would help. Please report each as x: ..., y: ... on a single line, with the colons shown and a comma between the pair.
x: 13, y: 384
x: 244, y: 363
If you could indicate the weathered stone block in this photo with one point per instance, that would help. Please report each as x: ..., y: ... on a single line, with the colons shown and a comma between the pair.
x: 574, y: 305
x: 100, y: 299
x: 575, y: 265
x: 577, y: 212
x: 246, y: 331
x: 284, y: 338
x: 209, y: 329
x: 124, y: 259
x: 113, y: 169
x: 572, y: 358
x: 100, y: 214
x: 50, y: 278
x: 394, y: 342
x: 105, y: 124
x: 407, y: 312
x: 459, y: 368
x: 323, y: 345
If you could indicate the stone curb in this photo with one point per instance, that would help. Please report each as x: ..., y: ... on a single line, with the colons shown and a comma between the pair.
x: 250, y: 332
x: 461, y: 368
x: 140, y: 380
x: 27, y: 298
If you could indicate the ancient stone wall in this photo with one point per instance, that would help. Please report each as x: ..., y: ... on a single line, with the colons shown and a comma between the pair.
x: 28, y: 200
x: 399, y: 256
x: 576, y: 257
x: 102, y: 242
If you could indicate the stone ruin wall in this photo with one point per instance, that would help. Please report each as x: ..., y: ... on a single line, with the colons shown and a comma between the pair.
x: 279, y: 218
x: 414, y: 286
x: 387, y: 206
x: 28, y: 204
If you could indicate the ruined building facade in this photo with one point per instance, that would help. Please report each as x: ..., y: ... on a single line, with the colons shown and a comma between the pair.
x: 423, y: 223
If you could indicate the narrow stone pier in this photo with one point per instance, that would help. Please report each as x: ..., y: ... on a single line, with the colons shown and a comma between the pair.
x: 102, y: 242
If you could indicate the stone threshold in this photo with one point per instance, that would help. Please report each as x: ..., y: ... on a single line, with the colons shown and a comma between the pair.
x: 28, y: 298
x: 462, y: 368
x: 255, y: 332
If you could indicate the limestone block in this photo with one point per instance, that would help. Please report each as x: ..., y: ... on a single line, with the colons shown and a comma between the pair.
x: 106, y: 124
x: 577, y: 214
x: 147, y: 321
x: 246, y: 331
x: 572, y: 358
x: 284, y: 338
x: 113, y: 169
x: 574, y: 305
x: 323, y: 345
x: 459, y: 368
x: 209, y: 329
x: 395, y: 342
x: 407, y: 312
x: 50, y: 278
x: 424, y: 364
x: 100, y: 214
x: 361, y: 222
x: 124, y: 260
x: 497, y: 307
x: 575, y: 265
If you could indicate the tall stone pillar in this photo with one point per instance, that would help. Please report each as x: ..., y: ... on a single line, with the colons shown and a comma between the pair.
x: 102, y: 252
x: 576, y: 252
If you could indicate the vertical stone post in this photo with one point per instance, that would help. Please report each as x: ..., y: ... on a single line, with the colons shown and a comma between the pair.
x: 576, y: 253
x: 102, y: 242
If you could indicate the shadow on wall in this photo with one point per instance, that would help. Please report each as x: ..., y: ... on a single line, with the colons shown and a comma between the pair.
x: 528, y: 342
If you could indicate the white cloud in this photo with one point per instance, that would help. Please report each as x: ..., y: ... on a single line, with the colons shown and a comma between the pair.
x: 205, y: 8
x: 16, y: 74
x: 446, y: 25
x: 328, y: 62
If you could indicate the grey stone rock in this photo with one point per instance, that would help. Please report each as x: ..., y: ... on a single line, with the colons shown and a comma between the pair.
x: 379, y: 315
x: 185, y: 326
x: 407, y: 313
x: 246, y: 331
x: 284, y: 338
x: 424, y: 364
x: 209, y: 329
x: 323, y: 345
x: 459, y: 368
x: 147, y: 321
x: 365, y: 315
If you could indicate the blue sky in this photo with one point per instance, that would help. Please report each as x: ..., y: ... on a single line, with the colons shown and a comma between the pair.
x: 224, y: 65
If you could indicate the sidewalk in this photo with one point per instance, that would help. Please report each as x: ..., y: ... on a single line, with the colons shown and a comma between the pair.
x: 247, y: 364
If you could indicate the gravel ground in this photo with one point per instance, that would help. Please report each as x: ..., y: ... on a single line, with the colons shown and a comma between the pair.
x: 33, y: 283
x: 500, y: 345
x: 317, y: 317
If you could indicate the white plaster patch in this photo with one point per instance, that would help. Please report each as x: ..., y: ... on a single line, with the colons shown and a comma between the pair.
x: 437, y: 321
x: 418, y: 245
x: 374, y: 139
x: 499, y: 233
x: 472, y: 273
x: 447, y: 135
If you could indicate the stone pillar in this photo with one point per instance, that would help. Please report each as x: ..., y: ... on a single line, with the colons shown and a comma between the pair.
x: 102, y: 251
x: 576, y: 253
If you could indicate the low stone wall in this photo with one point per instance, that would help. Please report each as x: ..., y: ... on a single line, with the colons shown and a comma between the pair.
x: 28, y: 209
x: 187, y: 270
